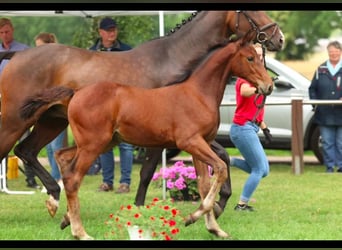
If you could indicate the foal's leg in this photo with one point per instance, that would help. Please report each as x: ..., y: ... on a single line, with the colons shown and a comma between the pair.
x: 147, y: 170
x: 64, y: 158
x: 72, y: 178
x: 226, y: 189
x: 201, y: 151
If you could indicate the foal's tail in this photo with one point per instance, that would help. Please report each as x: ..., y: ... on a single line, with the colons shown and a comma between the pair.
x: 44, y: 100
x: 6, y: 55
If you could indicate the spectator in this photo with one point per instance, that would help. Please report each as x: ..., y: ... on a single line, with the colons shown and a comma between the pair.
x: 8, y: 43
x: 57, y: 143
x: 247, y: 121
x: 108, y: 41
x: 326, y: 85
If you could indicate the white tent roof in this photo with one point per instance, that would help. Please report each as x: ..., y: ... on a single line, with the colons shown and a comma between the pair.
x: 85, y: 13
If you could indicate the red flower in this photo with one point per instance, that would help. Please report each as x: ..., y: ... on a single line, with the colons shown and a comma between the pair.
x: 174, y: 212
x: 159, y: 217
x: 172, y: 223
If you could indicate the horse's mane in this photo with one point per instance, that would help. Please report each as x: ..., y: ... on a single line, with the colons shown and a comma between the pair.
x: 193, y: 64
x: 184, y: 21
x: 178, y: 26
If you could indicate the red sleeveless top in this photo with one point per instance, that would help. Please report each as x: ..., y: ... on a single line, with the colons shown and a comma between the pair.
x: 246, y: 106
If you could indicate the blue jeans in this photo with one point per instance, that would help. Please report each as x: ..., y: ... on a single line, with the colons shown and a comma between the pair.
x: 331, y: 145
x: 54, y: 145
x: 126, y: 163
x: 255, y: 161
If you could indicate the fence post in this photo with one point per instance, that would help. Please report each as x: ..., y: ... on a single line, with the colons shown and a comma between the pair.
x: 297, y: 145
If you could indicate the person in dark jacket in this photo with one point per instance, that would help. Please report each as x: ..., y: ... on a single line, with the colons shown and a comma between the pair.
x: 108, y: 41
x: 326, y: 85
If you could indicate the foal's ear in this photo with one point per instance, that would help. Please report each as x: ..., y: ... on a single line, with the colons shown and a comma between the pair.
x: 249, y: 36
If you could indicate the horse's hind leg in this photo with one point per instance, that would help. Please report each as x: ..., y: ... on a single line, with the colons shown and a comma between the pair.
x: 148, y: 168
x: 226, y: 189
x: 42, y: 133
x: 10, y: 134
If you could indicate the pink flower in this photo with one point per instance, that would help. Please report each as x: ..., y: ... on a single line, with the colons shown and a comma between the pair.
x: 179, y: 177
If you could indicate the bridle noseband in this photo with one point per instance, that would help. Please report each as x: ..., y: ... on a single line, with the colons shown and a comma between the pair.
x: 261, y: 36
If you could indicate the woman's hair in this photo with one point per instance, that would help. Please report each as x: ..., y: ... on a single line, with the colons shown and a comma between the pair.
x: 46, y: 37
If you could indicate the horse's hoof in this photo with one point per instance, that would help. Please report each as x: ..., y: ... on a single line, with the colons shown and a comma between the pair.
x: 52, y: 206
x: 65, y: 222
x: 217, y: 210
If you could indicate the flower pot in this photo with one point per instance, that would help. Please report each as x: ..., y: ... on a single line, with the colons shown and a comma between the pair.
x: 135, y: 233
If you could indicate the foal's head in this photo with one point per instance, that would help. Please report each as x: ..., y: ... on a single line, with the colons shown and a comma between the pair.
x: 246, y: 63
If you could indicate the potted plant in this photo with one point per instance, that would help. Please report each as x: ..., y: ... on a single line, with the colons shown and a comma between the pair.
x: 158, y: 220
x: 181, y: 181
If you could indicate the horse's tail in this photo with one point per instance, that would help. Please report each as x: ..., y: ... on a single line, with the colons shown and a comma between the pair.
x: 44, y: 100
x: 6, y: 55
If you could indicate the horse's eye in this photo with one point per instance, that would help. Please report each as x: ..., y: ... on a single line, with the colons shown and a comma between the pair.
x: 250, y: 58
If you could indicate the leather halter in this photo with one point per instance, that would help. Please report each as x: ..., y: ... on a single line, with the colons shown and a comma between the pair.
x: 261, y: 36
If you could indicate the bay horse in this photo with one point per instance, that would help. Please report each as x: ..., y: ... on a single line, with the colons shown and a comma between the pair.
x: 136, y: 115
x: 156, y: 63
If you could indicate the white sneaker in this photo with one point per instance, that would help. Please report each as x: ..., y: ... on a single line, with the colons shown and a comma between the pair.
x: 44, y: 190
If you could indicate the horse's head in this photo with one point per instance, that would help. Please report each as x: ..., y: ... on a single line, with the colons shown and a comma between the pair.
x: 246, y: 63
x: 260, y: 24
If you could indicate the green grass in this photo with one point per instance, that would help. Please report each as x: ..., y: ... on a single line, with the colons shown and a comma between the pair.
x: 289, y: 207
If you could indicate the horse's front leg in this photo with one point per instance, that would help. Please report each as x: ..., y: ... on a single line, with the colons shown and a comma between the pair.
x: 226, y: 189
x: 149, y: 166
x: 73, y: 165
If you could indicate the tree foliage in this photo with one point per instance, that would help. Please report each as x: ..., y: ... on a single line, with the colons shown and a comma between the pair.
x: 302, y: 29
x: 83, y: 32
x: 133, y: 30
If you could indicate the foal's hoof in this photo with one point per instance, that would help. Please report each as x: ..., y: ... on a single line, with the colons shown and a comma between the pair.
x: 86, y: 237
x: 65, y: 222
x: 189, y: 220
x: 52, y: 206
x: 217, y: 210
x: 220, y: 233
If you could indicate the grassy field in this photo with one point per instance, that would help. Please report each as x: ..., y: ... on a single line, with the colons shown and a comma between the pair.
x: 289, y: 207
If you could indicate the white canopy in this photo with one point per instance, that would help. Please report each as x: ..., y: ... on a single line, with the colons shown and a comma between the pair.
x: 85, y: 13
